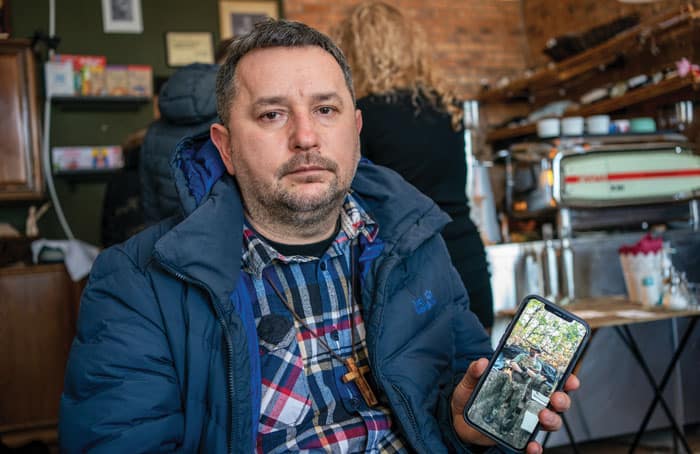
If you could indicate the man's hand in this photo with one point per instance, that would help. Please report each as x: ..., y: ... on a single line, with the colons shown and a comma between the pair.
x: 515, y: 366
x: 549, y: 419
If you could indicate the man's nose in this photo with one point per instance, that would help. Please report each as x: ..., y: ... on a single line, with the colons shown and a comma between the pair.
x: 303, y: 136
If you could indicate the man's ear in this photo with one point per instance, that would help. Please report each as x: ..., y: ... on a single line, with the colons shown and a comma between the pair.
x: 220, y: 136
x: 358, y: 120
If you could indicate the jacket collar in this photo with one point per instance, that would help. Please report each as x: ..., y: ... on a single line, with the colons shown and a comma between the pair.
x: 206, y: 245
x: 405, y: 215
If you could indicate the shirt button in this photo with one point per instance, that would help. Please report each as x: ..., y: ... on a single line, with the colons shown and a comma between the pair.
x: 334, y: 335
x: 323, y: 266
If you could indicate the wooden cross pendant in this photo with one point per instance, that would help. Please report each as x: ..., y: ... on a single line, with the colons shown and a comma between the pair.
x: 356, y: 374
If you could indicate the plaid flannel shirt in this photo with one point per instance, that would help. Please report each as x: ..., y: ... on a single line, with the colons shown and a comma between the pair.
x: 305, y: 404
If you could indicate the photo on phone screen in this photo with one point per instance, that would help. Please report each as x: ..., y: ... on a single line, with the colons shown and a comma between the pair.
x: 538, y: 351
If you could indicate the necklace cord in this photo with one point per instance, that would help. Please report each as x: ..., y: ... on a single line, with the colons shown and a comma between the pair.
x: 350, y: 299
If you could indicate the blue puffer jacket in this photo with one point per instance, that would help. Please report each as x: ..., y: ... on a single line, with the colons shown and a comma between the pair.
x: 161, y: 360
x: 187, y: 104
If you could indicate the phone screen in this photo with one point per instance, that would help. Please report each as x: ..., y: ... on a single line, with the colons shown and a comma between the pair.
x: 538, y: 350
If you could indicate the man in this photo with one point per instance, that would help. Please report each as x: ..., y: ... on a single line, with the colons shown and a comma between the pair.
x: 510, y: 393
x: 527, y: 367
x: 305, y: 302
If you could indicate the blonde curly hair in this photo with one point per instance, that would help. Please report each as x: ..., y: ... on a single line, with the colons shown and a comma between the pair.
x: 389, y: 52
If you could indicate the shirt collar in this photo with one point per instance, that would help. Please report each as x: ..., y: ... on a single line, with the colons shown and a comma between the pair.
x: 354, y: 221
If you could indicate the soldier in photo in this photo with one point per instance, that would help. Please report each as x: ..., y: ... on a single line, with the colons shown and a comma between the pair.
x: 527, y: 367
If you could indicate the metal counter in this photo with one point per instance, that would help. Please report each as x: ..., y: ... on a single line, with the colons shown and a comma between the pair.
x: 517, y: 268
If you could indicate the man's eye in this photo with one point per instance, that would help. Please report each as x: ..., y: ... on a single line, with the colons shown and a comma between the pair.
x: 326, y: 110
x: 270, y: 116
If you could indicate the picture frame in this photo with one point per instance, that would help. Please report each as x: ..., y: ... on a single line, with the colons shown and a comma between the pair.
x: 237, y: 17
x: 122, y: 16
x: 184, y: 48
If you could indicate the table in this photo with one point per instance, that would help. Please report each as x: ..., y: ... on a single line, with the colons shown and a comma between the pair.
x: 602, y: 312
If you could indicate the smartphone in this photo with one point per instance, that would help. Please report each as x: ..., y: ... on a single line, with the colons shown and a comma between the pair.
x: 534, y: 358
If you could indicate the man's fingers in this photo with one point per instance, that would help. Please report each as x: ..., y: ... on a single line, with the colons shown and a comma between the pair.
x: 460, y: 397
x: 475, y: 371
x: 572, y: 383
x: 533, y: 448
x: 549, y: 420
x: 466, y: 386
x: 560, y: 402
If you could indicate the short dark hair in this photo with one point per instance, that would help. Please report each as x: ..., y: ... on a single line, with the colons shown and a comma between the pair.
x: 222, y: 50
x: 272, y: 33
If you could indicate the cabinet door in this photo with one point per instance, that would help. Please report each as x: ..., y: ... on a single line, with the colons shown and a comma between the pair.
x: 38, y: 312
x: 20, y: 165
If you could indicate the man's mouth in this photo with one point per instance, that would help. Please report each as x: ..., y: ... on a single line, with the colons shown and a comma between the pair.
x: 307, y: 169
x: 307, y: 165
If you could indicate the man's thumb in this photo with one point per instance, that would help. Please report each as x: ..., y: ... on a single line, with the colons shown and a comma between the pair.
x: 466, y: 386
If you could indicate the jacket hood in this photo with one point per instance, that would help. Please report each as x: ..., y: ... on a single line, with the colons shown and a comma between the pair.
x: 196, y: 166
x: 189, y: 96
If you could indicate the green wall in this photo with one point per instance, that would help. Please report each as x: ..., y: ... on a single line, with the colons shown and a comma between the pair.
x: 79, y: 25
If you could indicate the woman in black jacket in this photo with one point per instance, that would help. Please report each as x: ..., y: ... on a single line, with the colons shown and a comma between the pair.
x: 412, y: 124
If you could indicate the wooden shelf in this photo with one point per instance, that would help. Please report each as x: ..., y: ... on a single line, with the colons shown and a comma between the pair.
x: 86, y: 176
x: 595, y: 57
x: 605, y: 106
x: 511, y: 132
x: 100, y: 103
x: 637, y: 96
x: 100, y: 99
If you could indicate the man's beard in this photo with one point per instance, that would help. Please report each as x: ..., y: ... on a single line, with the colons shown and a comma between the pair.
x: 283, y: 205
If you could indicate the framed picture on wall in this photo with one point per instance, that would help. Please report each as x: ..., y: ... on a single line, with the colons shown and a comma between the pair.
x: 122, y: 16
x: 237, y: 17
x: 183, y: 48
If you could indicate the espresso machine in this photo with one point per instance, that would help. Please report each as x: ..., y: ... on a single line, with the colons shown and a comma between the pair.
x: 599, y: 183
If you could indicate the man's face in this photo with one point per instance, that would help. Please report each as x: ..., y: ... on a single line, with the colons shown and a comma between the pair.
x: 533, y: 353
x: 293, y: 135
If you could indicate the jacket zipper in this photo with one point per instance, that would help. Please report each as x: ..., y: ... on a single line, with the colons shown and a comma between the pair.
x: 403, y: 400
x: 411, y: 416
x: 229, y: 347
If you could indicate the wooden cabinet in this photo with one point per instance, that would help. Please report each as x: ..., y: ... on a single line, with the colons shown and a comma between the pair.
x: 38, y: 313
x: 20, y: 144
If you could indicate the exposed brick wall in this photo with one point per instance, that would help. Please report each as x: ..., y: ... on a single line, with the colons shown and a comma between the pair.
x: 490, y: 39
x: 473, y: 39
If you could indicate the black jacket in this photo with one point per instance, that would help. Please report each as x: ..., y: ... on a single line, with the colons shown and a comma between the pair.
x: 187, y: 104
x: 419, y: 143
